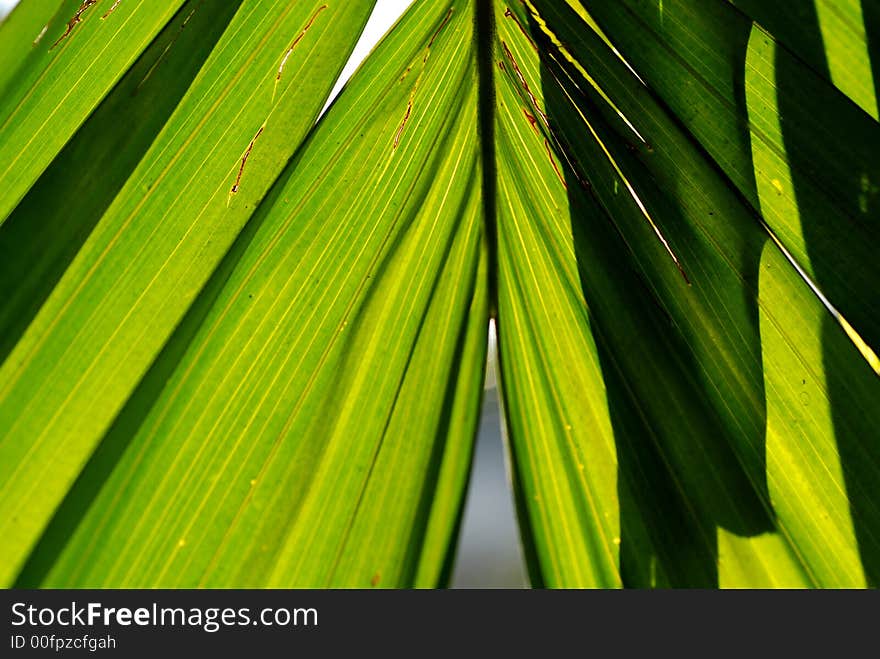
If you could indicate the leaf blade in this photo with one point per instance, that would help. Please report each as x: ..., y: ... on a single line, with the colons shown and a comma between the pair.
x: 304, y: 352
x: 133, y: 279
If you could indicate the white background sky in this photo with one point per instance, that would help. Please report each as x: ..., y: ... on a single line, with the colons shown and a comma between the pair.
x: 383, y: 17
x: 6, y: 5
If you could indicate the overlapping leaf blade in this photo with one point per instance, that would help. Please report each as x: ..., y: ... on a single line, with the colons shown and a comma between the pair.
x: 797, y: 149
x: 837, y: 38
x: 50, y: 225
x: 156, y: 245
x: 725, y: 475
x: 20, y: 33
x: 312, y: 421
x: 289, y: 396
x: 41, y: 112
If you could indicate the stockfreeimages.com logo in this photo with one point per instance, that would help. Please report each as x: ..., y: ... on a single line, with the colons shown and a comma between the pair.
x: 212, y: 619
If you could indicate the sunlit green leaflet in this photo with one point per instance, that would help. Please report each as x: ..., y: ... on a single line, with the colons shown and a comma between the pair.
x: 796, y: 148
x: 40, y: 113
x: 683, y: 407
x: 702, y: 404
x: 296, y: 443
x: 155, y: 247
x: 836, y: 38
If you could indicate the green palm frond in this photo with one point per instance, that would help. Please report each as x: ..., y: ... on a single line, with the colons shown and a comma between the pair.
x: 242, y: 346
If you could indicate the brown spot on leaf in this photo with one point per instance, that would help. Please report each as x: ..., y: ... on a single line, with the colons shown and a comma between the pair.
x: 111, y: 10
x: 509, y: 14
x: 244, y: 160
x: 417, y: 83
x: 442, y: 25
x: 403, y: 123
x: 298, y: 38
x: 525, y: 85
x: 553, y: 162
x: 73, y: 22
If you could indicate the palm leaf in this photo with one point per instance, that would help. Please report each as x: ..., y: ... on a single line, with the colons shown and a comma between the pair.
x: 155, y: 246
x: 305, y: 432
x: 702, y: 376
x: 55, y: 94
x: 243, y: 351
